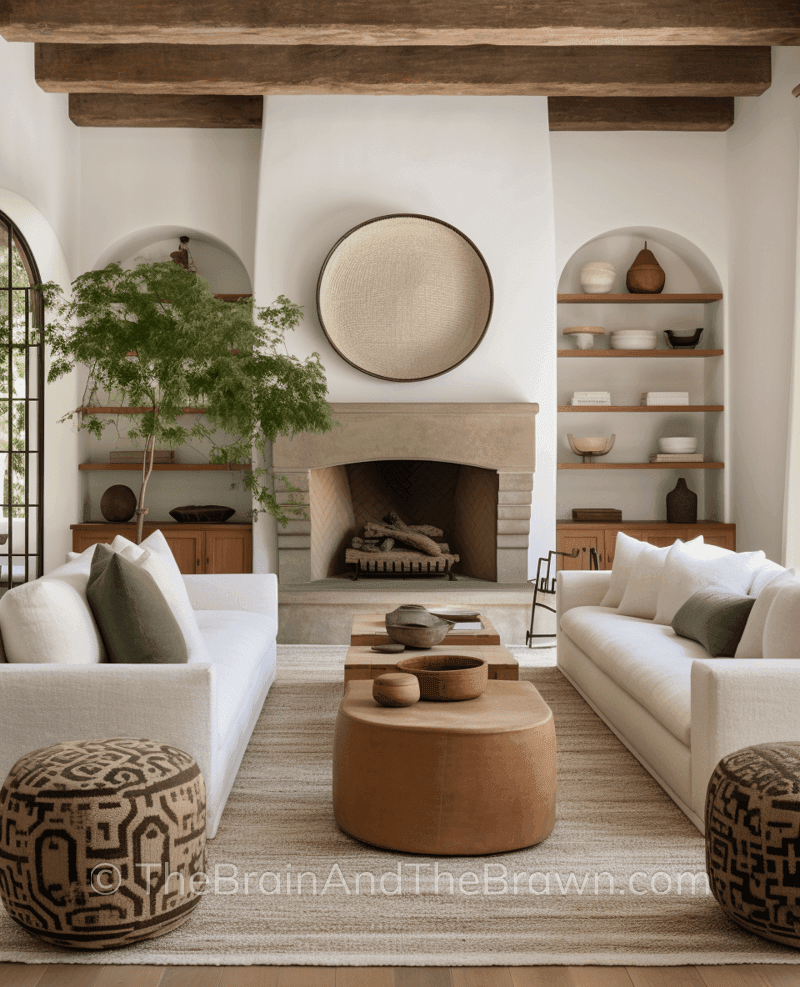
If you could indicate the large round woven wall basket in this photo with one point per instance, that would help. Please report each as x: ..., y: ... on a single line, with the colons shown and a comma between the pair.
x: 404, y: 297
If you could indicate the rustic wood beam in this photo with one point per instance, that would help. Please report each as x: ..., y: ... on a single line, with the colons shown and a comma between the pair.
x: 646, y: 113
x: 125, y: 110
x: 385, y: 22
x: 479, y: 69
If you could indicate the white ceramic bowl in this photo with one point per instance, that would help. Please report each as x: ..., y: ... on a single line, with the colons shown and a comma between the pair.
x: 634, y: 332
x: 596, y: 277
x: 585, y: 445
x: 677, y: 444
x: 633, y: 342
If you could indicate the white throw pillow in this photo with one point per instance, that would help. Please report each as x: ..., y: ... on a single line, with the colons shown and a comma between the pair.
x: 641, y: 594
x: 175, y: 594
x: 691, y: 568
x: 626, y: 551
x: 764, y: 575
x: 155, y: 542
x: 49, y: 620
x: 782, y: 629
x: 752, y: 643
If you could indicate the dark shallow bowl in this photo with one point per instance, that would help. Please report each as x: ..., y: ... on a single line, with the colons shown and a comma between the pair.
x: 448, y: 678
x: 206, y: 514
x: 683, y: 342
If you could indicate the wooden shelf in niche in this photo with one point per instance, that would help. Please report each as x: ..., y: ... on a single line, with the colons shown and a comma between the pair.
x: 641, y: 466
x: 648, y: 354
x: 697, y: 298
x: 167, y: 467
x: 607, y: 408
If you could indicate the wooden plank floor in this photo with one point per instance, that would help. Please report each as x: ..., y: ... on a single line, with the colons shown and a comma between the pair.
x: 69, y: 975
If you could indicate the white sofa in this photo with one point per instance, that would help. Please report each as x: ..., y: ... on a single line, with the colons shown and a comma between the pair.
x: 207, y: 708
x: 678, y: 710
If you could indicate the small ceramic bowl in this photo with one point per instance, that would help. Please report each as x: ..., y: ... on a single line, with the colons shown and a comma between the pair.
x: 597, y: 277
x: 587, y: 445
x: 396, y: 689
x: 677, y: 444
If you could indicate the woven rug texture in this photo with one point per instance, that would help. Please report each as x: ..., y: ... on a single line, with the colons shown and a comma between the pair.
x: 604, y: 888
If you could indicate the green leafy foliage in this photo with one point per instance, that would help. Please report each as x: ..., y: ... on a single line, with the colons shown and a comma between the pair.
x: 156, y: 337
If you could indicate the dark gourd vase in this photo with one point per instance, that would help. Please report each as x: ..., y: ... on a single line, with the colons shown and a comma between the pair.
x: 681, y: 504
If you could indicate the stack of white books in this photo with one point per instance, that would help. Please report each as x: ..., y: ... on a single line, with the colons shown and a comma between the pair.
x: 591, y: 397
x: 665, y: 397
x: 677, y: 457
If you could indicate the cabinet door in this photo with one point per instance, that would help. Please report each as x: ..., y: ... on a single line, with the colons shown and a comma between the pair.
x: 187, y: 546
x: 229, y: 550
x: 583, y: 541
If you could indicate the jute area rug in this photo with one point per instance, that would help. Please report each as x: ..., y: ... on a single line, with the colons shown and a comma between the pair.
x: 620, y: 880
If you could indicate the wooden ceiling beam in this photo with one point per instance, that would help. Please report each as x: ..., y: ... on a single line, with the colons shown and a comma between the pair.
x: 385, y: 22
x: 646, y: 113
x: 125, y: 110
x: 480, y: 69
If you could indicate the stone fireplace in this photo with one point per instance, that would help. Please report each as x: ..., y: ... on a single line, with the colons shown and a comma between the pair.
x: 465, y: 468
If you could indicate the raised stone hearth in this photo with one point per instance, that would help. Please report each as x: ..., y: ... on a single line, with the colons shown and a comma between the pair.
x: 465, y: 468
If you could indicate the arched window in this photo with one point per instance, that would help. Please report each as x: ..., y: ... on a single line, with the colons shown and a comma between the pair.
x: 21, y: 410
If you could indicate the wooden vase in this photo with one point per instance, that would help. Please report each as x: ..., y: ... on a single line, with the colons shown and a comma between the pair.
x: 645, y: 276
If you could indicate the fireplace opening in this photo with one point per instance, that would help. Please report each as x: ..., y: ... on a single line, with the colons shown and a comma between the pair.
x: 454, y: 504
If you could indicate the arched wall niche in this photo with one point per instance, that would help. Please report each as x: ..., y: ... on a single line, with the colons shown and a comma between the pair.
x: 215, y: 260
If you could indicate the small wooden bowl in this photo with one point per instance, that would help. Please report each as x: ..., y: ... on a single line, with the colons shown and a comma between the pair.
x: 448, y: 678
x: 396, y: 689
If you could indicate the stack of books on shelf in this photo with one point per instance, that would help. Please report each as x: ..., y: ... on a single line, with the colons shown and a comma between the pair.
x: 665, y: 397
x: 596, y: 514
x: 121, y: 456
x: 676, y: 457
x: 591, y: 397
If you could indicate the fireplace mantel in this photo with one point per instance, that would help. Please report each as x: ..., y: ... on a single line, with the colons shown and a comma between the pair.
x: 497, y: 437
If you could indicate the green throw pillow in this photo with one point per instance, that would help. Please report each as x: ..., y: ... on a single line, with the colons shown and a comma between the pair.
x: 715, y: 619
x: 135, y: 621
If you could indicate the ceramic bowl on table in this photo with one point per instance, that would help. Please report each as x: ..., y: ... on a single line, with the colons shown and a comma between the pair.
x: 448, y: 678
x: 675, y: 445
x: 413, y: 626
x: 634, y: 339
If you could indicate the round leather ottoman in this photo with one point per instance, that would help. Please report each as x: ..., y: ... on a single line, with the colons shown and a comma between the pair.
x: 753, y: 839
x: 77, y: 821
x: 460, y: 778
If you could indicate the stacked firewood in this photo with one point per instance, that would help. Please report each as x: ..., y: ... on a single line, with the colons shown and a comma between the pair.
x: 393, y: 533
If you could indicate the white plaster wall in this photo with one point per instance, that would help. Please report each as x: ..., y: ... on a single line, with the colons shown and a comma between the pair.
x: 141, y: 178
x: 762, y: 192
x: 479, y: 163
x: 39, y: 190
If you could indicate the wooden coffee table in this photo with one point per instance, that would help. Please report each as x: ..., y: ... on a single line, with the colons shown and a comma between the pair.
x: 370, y: 628
x: 364, y: 663
x: 474, y: 777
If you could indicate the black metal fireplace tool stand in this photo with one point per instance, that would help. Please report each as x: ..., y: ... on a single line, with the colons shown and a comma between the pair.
x: 547, y: 584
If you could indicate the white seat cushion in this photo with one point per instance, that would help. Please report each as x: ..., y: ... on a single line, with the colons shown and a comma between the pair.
x: 242, y: 650
x: 649, y: 661
x: 751, y: 644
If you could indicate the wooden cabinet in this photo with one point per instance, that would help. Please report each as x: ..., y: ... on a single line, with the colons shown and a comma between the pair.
x: 198, y: 548
x: 602, y: 537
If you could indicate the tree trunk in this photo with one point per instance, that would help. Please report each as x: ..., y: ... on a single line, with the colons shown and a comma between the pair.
x: 147, y: 469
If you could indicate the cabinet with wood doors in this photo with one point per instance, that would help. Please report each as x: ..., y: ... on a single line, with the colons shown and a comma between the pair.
x: 603, y: 537
x: 198, y: 548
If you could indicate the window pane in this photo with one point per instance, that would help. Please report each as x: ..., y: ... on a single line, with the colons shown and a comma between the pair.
x: 20, y: 275
x: 3, y: 255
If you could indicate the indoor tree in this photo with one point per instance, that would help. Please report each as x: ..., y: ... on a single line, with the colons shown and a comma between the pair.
x: 156, y: 337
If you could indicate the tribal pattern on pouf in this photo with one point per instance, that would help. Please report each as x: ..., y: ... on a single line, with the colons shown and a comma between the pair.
x: 101, y: 841
x: 753, y: 839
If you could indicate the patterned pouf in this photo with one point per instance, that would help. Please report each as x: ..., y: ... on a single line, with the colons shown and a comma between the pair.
x: 78, y: 821
x: 753, y: 839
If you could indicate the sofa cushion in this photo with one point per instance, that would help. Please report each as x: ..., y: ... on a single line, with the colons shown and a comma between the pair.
x: 752, y: 642
x: 49, y: 620
x: 641, y: 594
x: 764, y: 575
x: 782, y: 629
x: 715, y: 619
x: 136, y: 622
x: 626, y: 550
x: 691, y: 568
x: 649, y: 661
x: 241, y: 646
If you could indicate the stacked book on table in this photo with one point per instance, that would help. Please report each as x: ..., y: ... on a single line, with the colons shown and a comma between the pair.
x: 665, y: 397
x: 677, y: 457
x: 582, y: 398
x: 122, y: 456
